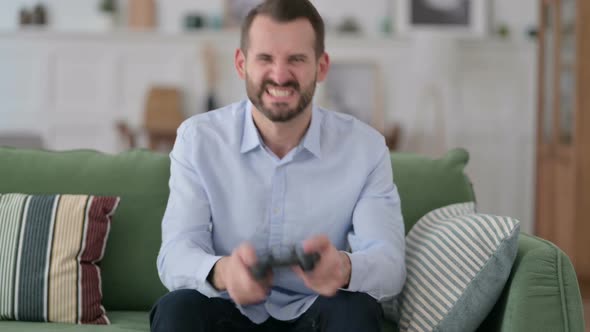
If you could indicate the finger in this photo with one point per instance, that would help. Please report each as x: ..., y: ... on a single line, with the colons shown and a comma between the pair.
x: 299, y: 272
x: 304, y: 276
x: 247, y: 254
x: 261, y: 290
x: 267, y: 281
x: 253, y: 296
x: 270, y: 277
x: 319, y: 243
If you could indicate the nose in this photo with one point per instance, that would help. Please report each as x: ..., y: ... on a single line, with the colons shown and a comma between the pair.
x: 280, y: 73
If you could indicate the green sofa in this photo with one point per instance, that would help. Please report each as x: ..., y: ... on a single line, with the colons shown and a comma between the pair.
x: 542, y: 293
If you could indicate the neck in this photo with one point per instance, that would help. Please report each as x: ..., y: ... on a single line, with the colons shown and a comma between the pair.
x: 282, y: 137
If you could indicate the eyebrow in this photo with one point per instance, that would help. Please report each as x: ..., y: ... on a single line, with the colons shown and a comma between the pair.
x: 293, y: 56
x: 298, y: 56
x: 263, y: 56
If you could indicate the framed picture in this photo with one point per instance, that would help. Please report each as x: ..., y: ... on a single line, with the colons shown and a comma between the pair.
x: 354, y: 87
x: 235, y: 11
x: 458, y: 17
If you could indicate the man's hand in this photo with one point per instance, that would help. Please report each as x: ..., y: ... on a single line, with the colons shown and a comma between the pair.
x: 232, y: 273
x: 331, y: 272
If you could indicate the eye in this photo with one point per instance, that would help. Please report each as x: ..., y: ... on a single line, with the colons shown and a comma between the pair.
x: 298, y: 59
x: 264, y: 58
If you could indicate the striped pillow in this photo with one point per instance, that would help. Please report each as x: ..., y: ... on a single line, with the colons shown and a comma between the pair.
x: 457, y: 264
x: 49, y: 247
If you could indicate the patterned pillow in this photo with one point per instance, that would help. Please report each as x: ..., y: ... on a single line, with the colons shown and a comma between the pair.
x: 49, y: 247
x: 457, y: 264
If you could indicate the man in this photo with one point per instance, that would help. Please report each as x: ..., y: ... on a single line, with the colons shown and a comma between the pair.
x: 261, y: 176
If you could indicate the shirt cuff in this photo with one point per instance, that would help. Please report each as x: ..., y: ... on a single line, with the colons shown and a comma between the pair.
x: 357, y: 265
x: 205, y: 268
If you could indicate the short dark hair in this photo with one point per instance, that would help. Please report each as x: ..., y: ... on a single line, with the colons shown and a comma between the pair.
x: 286, y: 11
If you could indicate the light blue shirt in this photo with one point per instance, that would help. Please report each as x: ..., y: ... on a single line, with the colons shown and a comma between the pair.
x: 227, y: 187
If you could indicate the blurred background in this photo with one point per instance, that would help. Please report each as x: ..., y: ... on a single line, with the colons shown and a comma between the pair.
x: 498, y: 78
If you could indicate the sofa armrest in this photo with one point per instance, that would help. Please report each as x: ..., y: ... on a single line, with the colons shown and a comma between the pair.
x: 541, y: 294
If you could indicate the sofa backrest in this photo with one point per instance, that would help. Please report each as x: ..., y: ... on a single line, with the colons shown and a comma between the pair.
x: 425, y: 184
x: 129, y: 275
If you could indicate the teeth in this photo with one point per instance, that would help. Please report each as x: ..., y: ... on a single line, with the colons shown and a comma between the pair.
x: 279, y: 93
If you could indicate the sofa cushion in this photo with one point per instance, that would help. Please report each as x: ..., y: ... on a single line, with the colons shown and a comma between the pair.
x: 49, y: 248
x: 425, y: 184
x: 457, y: 264
x: 140, y: 178
x: 121, y: 321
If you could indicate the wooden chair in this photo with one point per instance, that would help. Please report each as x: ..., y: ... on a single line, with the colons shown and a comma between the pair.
x: 162, y: 117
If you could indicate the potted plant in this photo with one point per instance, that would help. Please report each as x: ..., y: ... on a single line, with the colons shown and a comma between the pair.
x: 107, y: 14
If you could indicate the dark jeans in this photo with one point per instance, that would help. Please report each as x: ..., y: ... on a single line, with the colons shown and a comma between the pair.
x: 190, y: 311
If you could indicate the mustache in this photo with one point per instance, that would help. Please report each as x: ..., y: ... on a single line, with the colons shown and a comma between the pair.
x: 288, y: 84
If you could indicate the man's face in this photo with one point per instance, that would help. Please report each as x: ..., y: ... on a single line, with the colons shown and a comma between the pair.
x: 281, y: 68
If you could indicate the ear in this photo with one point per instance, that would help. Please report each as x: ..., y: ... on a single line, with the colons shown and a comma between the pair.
x: 323, y: 66
x: 240, y: 63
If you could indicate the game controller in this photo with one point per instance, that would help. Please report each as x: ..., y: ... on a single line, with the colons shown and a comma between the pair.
x: 297, y: 257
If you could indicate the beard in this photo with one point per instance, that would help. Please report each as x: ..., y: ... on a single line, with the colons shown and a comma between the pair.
x: 280, y: 111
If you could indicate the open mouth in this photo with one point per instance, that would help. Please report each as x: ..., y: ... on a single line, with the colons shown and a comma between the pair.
x: 280, y: 93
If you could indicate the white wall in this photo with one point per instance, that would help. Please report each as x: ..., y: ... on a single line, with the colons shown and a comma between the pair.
x: 79, y: 14
x: 72, y: 87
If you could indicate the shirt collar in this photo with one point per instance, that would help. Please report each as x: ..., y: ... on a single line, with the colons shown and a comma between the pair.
x: 251, y: 138
x: 311, y: 140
